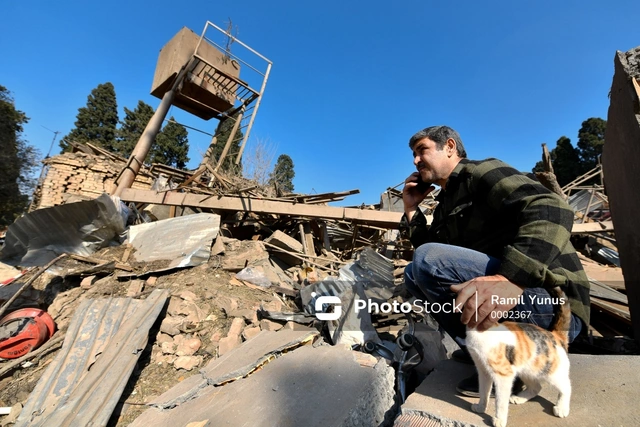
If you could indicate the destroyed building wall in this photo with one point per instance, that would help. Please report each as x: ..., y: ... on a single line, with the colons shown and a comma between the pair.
x: 81, y: 176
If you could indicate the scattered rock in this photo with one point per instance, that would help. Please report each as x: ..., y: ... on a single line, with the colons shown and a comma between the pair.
x: 187, y: 362
x: 249, y: 333
x: 88, y: 281
x: 217, y: 248
x: 226, y: 304
x: 227, y: 344
x: 168, y: 348
x: 162, y: 338
x: 239, y: 254
x: 216, y: 336
x: 188, y: 296
x: 135, y: 288
x: 174, y: 306
x: 236, y: 327
x: 171, y: 325
x: 193, y: 312
x: 274, y: 305
x: 232, y: 340
x: 247, y: 314
x: 188, y: 347
x: 268, y: 325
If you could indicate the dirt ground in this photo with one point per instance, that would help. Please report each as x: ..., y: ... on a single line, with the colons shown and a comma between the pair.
x: 212, y: 290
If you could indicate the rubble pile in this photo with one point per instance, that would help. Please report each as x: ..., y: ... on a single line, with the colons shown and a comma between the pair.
x: 235, y: 272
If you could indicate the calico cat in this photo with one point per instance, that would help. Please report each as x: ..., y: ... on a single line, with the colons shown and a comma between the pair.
x: 536, y: 355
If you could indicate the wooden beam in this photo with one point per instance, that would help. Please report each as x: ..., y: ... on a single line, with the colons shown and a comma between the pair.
x: 248, y: 204
x: 591, y: 227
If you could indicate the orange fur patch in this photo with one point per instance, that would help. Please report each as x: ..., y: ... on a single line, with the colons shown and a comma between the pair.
x: 498, y: 362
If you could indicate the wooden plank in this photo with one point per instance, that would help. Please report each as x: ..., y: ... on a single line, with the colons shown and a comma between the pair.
x: 247, y: 204
x: 603, y: 291
x: 591, y: 227
x: 619, y: 311
x: 610, y: 276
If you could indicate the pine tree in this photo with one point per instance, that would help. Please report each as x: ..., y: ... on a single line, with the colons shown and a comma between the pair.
x: 283, y: 173
x: 171, y: 146
x: 18, y: 160
x: 591, y: 142
x: 96, y: 122
x: 222, y: 135
x: 566, y: 162
x: 131, y: 128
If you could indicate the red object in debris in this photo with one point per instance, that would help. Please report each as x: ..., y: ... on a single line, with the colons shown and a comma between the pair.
x: 24, y: 330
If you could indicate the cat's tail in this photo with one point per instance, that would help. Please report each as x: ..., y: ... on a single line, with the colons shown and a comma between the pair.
x: 562, y: 321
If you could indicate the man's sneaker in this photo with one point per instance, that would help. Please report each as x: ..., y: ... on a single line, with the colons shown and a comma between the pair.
x: 471, y: 387
x: 462, y: 356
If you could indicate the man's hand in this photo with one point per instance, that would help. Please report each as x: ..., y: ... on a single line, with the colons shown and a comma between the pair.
x: 486, y: 287
x: 412, y: 196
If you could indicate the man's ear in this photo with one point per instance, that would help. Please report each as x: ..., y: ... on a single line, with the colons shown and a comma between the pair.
x: 451, y: 146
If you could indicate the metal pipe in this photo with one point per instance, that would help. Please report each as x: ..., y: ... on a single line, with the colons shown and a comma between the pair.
x: 232, y: 136
x: 235, y: 40
x: 139, y: 154
x: 253, y: 116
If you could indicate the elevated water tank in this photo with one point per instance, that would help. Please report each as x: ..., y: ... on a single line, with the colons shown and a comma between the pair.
x: 209, y: 87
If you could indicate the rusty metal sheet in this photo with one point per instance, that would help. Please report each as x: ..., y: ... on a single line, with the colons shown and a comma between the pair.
x: 101, y: 348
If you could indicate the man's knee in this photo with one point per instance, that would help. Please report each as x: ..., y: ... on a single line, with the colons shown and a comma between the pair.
x: 429, y: 260
x: 409, y: 282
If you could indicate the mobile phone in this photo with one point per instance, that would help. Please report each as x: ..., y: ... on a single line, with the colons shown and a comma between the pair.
x: 422, y: 186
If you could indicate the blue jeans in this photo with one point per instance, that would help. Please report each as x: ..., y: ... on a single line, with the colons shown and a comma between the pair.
x: 437, y: 266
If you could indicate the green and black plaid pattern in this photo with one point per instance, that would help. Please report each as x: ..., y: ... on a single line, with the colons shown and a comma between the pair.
x: 492, y: 208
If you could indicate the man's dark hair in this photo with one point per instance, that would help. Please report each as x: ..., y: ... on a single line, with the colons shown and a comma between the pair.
x: 439, y: 135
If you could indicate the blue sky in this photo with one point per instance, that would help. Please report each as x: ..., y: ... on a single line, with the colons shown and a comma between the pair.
x: 351, y: 81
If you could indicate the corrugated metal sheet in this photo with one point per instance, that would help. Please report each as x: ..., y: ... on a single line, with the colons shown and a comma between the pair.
x: 185, y: 240
x: 79, y: 228
x: 82, y: 386
x: 580, y: 200
x: 372, y: 270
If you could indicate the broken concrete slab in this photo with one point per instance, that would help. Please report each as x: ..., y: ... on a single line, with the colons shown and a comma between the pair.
x: 604, y: 394
x: 283, y: 241
x: 235, y: 364
x: 186, y: 241
x: 343, y: 394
